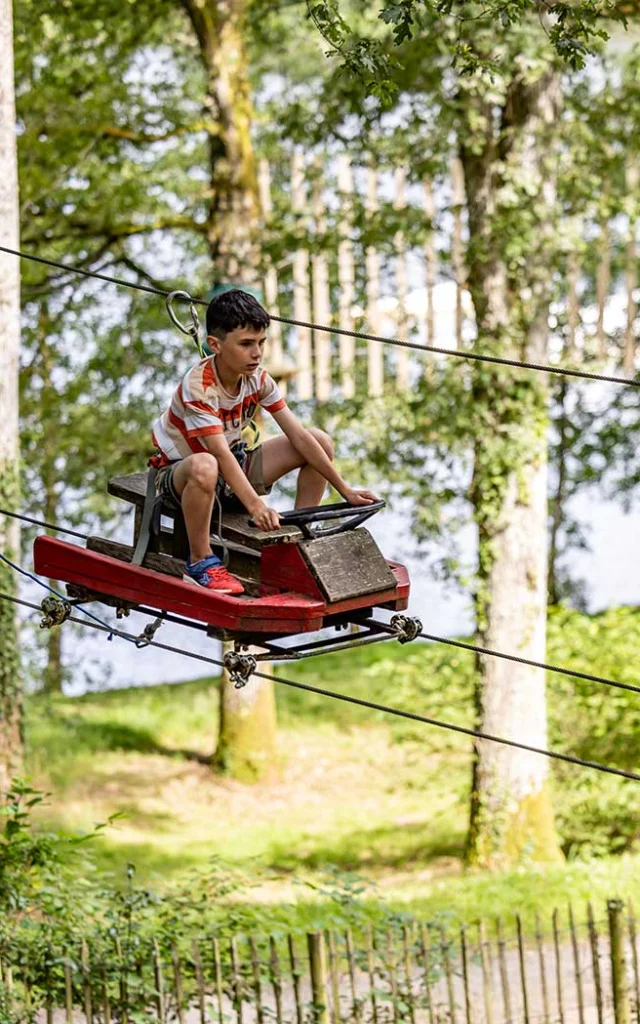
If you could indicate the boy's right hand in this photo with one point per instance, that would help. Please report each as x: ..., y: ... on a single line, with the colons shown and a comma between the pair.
x: 264, y: 517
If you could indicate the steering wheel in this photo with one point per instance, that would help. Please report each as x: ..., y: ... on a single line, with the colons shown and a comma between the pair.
x: 353, y: 515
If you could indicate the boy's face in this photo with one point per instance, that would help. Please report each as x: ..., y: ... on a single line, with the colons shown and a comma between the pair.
x: 240, y: 351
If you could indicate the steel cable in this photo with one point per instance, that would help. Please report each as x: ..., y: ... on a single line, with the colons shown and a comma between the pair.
x: 358, y: 701
x: 432, y: 638
x: 469, y: 356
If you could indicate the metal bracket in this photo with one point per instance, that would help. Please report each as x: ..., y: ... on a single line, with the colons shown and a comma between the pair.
x: 239, y: 667
x: 149, y: 632
x: 406, y: 627
x: 55, y: 611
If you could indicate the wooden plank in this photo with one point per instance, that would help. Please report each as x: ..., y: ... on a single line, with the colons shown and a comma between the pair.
x: 235, y: 524
x: 132, y: 487
x: 124, y: 553
x: 245, y: 564
x: 347, y: 565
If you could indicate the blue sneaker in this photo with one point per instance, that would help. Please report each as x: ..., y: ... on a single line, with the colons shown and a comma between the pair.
x: 211, y: 574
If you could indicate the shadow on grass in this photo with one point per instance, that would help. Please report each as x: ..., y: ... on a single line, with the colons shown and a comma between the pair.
x: 388, y: 846
x: 102, y: 735
x: 149, y: 859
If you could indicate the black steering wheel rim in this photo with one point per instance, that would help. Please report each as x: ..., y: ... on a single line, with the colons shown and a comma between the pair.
x: 351, y: 516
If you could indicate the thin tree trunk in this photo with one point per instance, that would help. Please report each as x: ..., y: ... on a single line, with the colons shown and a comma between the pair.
x: 603, y: 280
x: 375, y: 355
x: 430, y: 266
x: 233, y: 210
x: 247, y: 745
x: 559, y: 498
x: 457, y: 197
x: 52, y: 677
x: 511, y: 811
x: 631, y: 272
x: 247, y: 737
x: 321, y: 296
x: 10, y: 683
x: 346, y: 277
x: 400, y: 246
x: 301, y: 304
x: 273, y: 351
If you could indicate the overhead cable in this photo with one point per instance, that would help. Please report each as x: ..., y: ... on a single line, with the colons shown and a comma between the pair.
x: 455, y: 353
x: 432, y: 638
x: 372, y: 705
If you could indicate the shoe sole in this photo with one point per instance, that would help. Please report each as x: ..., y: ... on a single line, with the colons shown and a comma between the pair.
x: 216, y: 590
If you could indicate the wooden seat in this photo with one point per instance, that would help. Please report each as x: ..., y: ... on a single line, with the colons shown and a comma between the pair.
x: 342, y: 569
x: 234, y: 526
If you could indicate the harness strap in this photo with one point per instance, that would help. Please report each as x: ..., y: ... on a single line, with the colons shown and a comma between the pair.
x: 144, y: 534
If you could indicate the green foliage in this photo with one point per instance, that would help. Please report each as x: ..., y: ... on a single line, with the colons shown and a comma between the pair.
x: 404, y: 787
x: 575, y: 31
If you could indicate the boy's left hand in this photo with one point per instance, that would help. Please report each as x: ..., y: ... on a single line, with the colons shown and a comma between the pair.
x: 359, y: 497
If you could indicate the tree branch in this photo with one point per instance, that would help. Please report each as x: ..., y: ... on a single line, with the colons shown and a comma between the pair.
x: 144, y: 138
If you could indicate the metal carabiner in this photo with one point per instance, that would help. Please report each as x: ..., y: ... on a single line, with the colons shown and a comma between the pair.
x: 192, y: 329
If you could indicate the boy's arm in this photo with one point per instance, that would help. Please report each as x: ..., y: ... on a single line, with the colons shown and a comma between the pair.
x: 266, y: 518
x: 315, y: 455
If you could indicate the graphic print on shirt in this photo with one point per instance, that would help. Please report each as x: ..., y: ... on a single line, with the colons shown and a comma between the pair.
x: 200, y: 406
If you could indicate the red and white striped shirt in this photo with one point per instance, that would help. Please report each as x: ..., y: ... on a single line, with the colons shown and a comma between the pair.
x: 200, y: 406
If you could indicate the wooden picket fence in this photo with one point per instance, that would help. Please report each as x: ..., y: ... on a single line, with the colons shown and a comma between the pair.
x: 334, y: 275
x: 571, y: 972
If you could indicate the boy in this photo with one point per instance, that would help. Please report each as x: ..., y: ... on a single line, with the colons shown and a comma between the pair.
x: 199, y: 438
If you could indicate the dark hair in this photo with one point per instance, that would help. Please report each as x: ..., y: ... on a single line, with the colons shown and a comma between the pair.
x: 232, y: 309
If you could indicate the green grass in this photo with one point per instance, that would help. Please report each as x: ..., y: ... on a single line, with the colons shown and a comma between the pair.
x: 360, y: 791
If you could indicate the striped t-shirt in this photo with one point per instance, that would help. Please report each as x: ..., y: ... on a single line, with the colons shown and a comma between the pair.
x: 200, y: 406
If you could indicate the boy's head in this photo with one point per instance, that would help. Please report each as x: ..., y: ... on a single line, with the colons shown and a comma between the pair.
x: 233, y: 309
x: 236, y: 326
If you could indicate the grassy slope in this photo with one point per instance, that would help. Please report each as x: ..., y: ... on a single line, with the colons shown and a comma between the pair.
x: 358, y: 790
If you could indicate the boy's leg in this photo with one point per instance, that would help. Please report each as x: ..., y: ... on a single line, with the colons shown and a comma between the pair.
x: 194, y: 480
x: 279, y: 457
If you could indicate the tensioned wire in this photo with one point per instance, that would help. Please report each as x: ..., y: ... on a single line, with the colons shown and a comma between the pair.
x: 469, y: 356
x: 561, y: 670
x: 358, y: 701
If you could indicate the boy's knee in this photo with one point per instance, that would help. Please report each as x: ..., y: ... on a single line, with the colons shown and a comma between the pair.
x: 203, y: 471
x: 323, y: 440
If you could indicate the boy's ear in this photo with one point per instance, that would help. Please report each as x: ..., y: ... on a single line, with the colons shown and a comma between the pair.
x: 213, y: 343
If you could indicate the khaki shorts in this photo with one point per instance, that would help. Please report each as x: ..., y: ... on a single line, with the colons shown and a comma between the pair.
x: 252, y: 470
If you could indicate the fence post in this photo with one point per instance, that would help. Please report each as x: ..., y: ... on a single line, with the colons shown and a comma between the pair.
x: 159, y: 983
x: 86, y: 981
x: 296, y: 975
x: 618, y: 979
x: 318, y: 964
x: 577, y: 967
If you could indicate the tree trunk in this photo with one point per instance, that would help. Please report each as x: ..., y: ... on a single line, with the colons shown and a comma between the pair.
x: 53, y: 672
x: 511, y: 813
x: 559, y: 497
x: 247, y: 748
x: 10, y: 688
x: 233, y: 209
x: 247, y: 737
